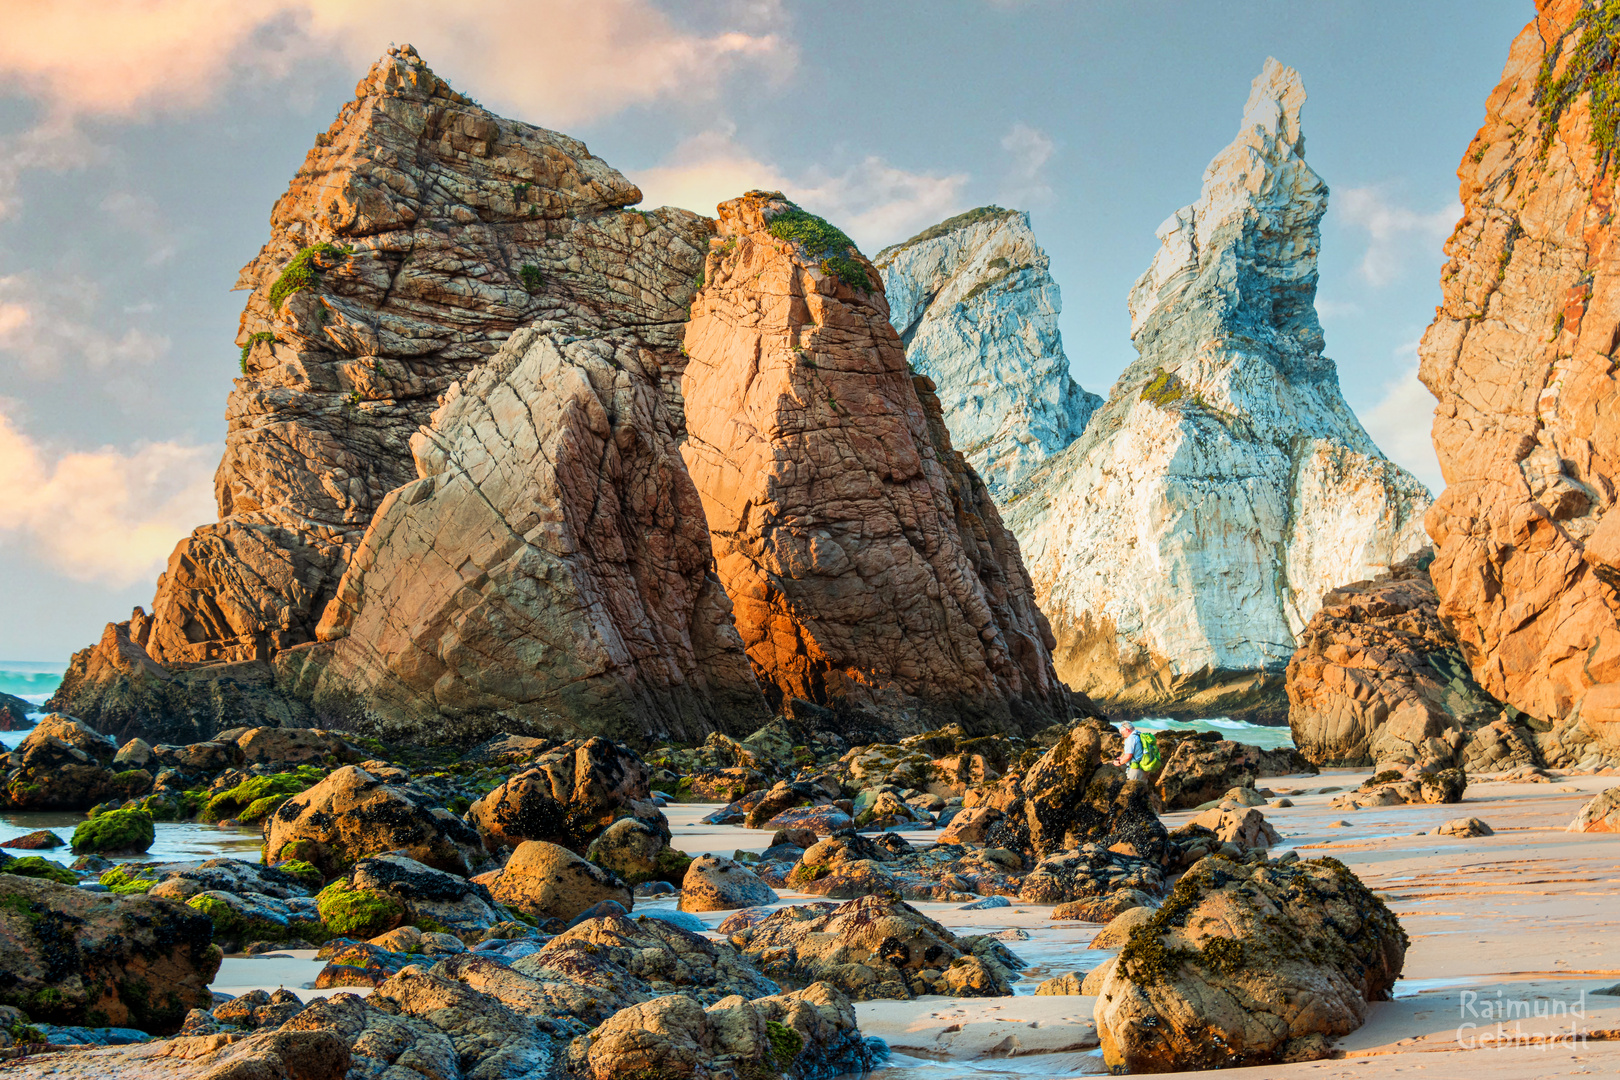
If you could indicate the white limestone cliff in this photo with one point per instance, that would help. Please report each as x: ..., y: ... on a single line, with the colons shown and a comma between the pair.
x: 1181, y: 543
x: 974, y: 303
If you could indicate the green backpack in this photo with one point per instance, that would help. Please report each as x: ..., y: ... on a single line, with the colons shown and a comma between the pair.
x: 1150, y: 759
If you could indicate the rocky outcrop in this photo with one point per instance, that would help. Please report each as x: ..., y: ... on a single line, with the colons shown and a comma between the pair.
x: 1183, y: 540
x: 1527, y: 546
x: 873, y: 948
x: 68, y: 956
x: 1378, y: 680
x: 568, y: 796
x: 1248, y: 965
x: 352, y: 814
x: 61, y: 765
x: 14, y: 712
x: 549, y: 571
x: 974, y: 303
x: 420, y: 233
x: 867, y: 565
x: 1600, y: 814
x: 119, y: 688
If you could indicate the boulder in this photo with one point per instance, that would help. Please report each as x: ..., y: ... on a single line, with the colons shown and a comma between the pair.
x: 1069, y: 985
x: 14, y: 712
x: 489, y: 1038
x: 871, y: 948
x: 259, y: 1010
x: 713, y: 883
x: 240, y: 918
x: 134, y: 754
x: 126, y: 831
x: 821, y: 820
x: 232, y: 876
x: 1197, y: 770
x: 429, y: 897
x: 37, y: 840
x: 214, y: 1055
x: 292, y: 746
x: 1600, y: 814
x: 1103, y: 909
x: 377, y: 1039
x: 1500, y: 746
x: 634, y: 851
x: 551, y: 882
x: 1377, y: 678
x: 61, y: 765
x: 351, y: 814
x: 76, y: 957
x: 872, y: 587
x: 1247, y: 828
x: 1089, y: 872
x: 1070, y: 800
x: 1466, y: 827
x: 805, y: 1033
x: 1119, y: 928
x: 567, y: 796
x: 970, y: 826
x: 1249, y: 965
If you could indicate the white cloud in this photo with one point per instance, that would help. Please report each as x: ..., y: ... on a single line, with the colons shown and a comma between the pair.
x: 49, y: 329
x: 109, y: 516
x: 1025, y: 183
x: 874, y: 201
x: 1402, y: 420
x: 1328, y: 309
x: 558, y: 61
x: 1399, y: 239
x: 56, y: 145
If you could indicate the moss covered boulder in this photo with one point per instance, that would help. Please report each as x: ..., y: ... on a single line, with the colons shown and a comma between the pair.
x: 261, y: 793
x: 638, y: 852
x: 352, y: 814
x: 116, y: 830
x: 68, y: 956
x: 1249, y: 965
x: 348, y: 910
x: 37, y: 866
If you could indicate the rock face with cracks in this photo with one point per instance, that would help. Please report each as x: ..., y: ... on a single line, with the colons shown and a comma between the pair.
x: 1249, y: 965
x: 550, y: 569
x: 1377, y: 678
x: 865, y: 561
x: 1527, y: 429
x: 568, y: 795
x: 1181, y: 543
x: 974, y: 302
x: 420, y: 233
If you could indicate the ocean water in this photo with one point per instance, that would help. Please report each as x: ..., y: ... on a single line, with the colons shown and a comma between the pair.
x: 1237, y: 730
x: 31, y: 680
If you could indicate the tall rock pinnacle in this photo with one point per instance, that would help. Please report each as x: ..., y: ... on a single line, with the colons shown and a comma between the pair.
x: 867, y: 565
x: 977, y: 308
x: 1521, y: 356
x: 1184, y: 539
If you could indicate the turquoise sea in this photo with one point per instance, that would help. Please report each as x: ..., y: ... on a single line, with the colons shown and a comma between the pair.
x: 31, y: 680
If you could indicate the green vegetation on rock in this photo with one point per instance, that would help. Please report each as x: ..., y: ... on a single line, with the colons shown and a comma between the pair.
x: 36, y: 866
x: 303, y: 272
x: 950, y: 225
x: 124, y: 880
x: 530, y: 277
x: 1164, y: 389
x: 115, y: 830
x: 232, y: 803
x: 352, y: 912
x: 823, y: 243
x: 254, y: 339
x: 1589, y: 70
x: 785, y: 1043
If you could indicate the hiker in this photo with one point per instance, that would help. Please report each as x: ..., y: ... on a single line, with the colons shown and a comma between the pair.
x: 1141, y: 752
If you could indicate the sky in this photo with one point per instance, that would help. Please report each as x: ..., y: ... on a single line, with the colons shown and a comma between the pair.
x: 143, y: 143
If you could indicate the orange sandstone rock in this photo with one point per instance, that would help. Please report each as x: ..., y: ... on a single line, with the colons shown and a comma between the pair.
x: 864, y: 558
x: 1520, y: 356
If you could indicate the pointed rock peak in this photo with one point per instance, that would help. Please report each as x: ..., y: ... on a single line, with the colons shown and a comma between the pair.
x: 402, y: 72
x: 1275, y: 98
x: 1261, y: 207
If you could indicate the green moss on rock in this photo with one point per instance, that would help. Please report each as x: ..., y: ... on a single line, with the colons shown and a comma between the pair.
x: 124, y: 880
x: 116, y: 830
x: 352, y: 912
x: 36, y: 866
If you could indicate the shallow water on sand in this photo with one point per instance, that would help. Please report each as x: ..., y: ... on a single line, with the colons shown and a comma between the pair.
x: 1034, y: 1067
x: 173, y: 841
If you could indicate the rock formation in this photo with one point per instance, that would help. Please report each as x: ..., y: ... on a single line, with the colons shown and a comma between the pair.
x: 977, y: 310
x: 1520, y: 356
x: 549, y: 571
x: 420, y: 233
x: 1378, y: 680
x: 1183, y: 540
x: 867, y: 565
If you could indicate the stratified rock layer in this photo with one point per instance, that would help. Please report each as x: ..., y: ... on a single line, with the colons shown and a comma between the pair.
x: 865, y: 560
x: 549, y: 571
x: 1378, y: 680
x: 421, y: 231
x: 1520, y: 356
x: 1181, y: 543
x: 977, y: 309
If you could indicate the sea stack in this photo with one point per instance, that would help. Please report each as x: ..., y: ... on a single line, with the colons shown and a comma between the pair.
x: 974, y: 302
x: 868, y: 567
x: 1181, y: 543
